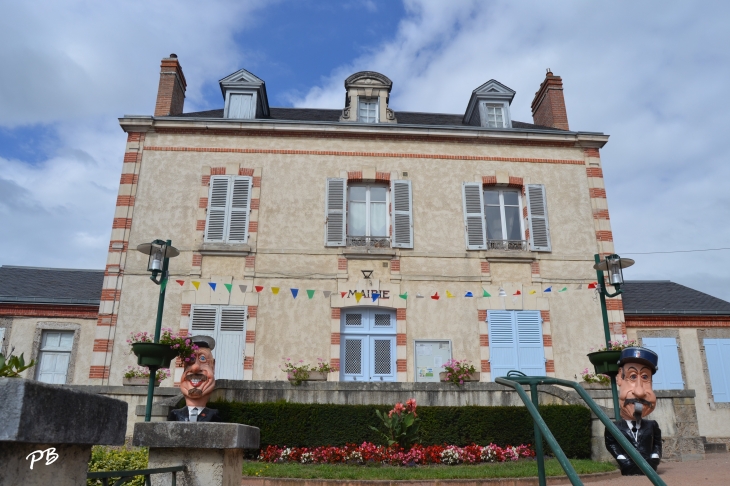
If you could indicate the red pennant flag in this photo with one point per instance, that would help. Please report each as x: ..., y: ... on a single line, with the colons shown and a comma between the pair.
x: 181, y: 282
x: 592, y: 285
x: 435, y: 296
x: 343, y: 294
x: 259, y: 288
x: 517, y: 293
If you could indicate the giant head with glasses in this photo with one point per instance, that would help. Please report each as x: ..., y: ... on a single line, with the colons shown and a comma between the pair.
x: 197, y: 383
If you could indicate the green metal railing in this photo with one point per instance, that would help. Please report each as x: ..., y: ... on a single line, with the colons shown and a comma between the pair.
x: 126, y: 476
x: 516, y: 379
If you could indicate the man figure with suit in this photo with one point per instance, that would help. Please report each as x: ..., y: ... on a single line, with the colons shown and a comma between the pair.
x: 636, y: 401
x: 198, y: 382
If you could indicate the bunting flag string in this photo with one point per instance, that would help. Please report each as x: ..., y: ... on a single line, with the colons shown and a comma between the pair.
x: 548, y: 290
x: 435, y: 296
x: 327, y: 293
x: 259, y: 288
x: 181, y: 282
x: 275, y: 290
x: 228, y: 287
x: 243, y: 288
x: 449, y: 295
x: 468, y: 294
x: 486, y: 294
x: 196, y: 285
x: 403, y: 296
x: 375, y: 296
x: 212, y: 285
x: 310, y: 294
x: 419, y: 296
x: 294, y: 293
x: 358, y: 296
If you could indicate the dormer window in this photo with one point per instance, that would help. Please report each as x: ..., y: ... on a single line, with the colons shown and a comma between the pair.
x: 489, y: 106
x: 493, y: 115
x: 240, y: 105
x: 367, y: 110
x: 245, y: 96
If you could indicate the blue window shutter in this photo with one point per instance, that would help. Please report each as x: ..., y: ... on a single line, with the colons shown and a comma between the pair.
x: 669, y: 374
x: 719, y: 368
x: 530, y: 350
x: 382, y: 358
x: 502, y: 343
x: 354, y: 363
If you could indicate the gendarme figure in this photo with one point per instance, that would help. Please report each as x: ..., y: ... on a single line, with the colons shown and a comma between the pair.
x: 636, y: 401
x: 196, y: 385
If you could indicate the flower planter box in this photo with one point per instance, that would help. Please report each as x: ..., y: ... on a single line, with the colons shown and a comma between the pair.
x: 137, y: 381
x: 152, y: 354
x: 605, y: 362
x: 470, y: 377
x: 313, y: 376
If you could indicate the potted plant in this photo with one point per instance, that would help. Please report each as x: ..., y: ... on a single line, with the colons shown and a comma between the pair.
x: 300, y: 372
x: 140, y: 376
x: 595, y: 380
x: 160, y: 354
x: 605, y: 358
x: 458, y: 372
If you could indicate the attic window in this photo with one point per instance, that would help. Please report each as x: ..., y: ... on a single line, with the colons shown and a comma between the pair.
x: 240, y: 105
x: 495, y: 115
x: 367, y: 111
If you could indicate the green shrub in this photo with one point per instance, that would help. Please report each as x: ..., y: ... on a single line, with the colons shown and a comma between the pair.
x: 311, y: 425
x: 117, y: 459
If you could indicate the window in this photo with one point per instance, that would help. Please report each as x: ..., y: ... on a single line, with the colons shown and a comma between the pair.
x: 493, y: 218
x: 367, y: 110
x: 718, y: 365
x: 241, y: 105
x: 229, y: 205
x: 367, y: 345
x: 54, y: 356
x: 227, y: 325
x: 669, y: 373
x: 515, y: 342
x: 494, y: 116
x: 362, y: 214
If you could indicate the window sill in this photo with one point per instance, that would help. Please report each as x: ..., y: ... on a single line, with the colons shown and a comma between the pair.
x: 368, y: 253
x: 224, y: 249
x: 498, y: 256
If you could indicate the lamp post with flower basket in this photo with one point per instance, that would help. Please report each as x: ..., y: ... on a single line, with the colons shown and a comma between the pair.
x: 606, y: 361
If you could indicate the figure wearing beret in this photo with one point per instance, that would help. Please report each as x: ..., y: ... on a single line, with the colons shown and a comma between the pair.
x: 198, y: 382
x: 636, y: 400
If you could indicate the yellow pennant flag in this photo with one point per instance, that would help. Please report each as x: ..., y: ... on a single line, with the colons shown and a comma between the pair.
x: 533, y: 291
x: 195, y: 284
x: 358, y: 296
x: 449, y: 295
x: 274, y: 290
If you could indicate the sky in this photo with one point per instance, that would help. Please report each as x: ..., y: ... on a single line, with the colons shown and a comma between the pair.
x: 654, y: 75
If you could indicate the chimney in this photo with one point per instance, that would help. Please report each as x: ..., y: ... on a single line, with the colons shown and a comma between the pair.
x: 548, y: 107
x: 171, y: 92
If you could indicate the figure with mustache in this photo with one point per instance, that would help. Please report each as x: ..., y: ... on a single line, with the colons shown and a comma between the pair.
x: 198, y: 382
x: 636, y: 400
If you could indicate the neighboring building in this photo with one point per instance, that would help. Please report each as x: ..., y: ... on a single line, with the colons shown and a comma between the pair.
x: 49, y: 315
x: 690, y: 331
x: 361, y: 211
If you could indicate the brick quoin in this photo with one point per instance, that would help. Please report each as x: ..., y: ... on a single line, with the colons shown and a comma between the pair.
x: 129, y: 179
x: 183, y: 332
x: 256, y: 182
x: 252, y: 309
x: 527, y: 234
x: 203, y: 203
x: 197, y: 259
x: 112, y: 270
x: 122, y: 223
x: 245, y: 172
x: 130, y: 157
x: 382, y: 176
x: 217, y: 171
x: 524, y: 212
x: 250, y: 261
x: 255, y: 203
x: 591, y: 152
x: 103, y: 345
x: 545, y: 315
x: 516, y: 181
x: 484, y: 340
x: 106, y: 320
x: 594, y: 172
x: 134, y: 136
x: 185, y: 310
x: 550, y: 366
x: 355, y: 175
x: 250, y: 336
x: 401, y: 365
x: 600, y: 214
x: 486, y: 367
x: 484, y: 266
x: 597, y: 193
x: 200, y: 225
x: 125, y: 200
x: 253, y: 226
x: 248, y: 363
x: 335, y: 363
x: 99, y: 372
x: 482, y: 315
x: 400, y: 340
x: 535, y: 267
x: 614, y: 304
x: 547, y: 340
x: 110, y: 294
x: 205, y: 180
x: 335, y: 314
x: 124, y: 244
x: 335, y: 338
x: 604, y: 236
x: 40, y: 310
x: 342, y: 264
x: 400, y: 314
x: 489, y: 180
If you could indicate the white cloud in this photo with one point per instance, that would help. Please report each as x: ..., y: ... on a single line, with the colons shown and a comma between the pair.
x: 653, y: 75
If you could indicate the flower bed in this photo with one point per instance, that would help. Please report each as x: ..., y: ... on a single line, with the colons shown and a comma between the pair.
x: 396, y: 456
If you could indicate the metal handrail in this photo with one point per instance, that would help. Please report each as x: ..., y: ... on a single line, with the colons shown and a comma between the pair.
x: 516, y: 379
x: 126, y: 476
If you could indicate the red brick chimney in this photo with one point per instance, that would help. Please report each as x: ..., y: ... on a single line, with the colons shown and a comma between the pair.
x: 171, y: 92
x: 548, y: 107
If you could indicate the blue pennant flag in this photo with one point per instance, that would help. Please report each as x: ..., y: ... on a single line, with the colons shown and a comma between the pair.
x: 469, y: 294
x: 375, y: 296
x: 212, y: 285
x: 549, y: 289
x: 294, y: 292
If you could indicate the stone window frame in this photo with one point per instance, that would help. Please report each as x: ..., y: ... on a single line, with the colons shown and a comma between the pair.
x: 718, y: 333
x: 57, y: 326
x: 7, y: 324
x: 667, y: 333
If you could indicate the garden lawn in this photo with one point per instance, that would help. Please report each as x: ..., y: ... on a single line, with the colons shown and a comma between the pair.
x: 517, y: 469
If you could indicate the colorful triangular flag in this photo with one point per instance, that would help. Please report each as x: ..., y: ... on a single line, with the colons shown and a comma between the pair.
x: 358, y: 296
x: 259, y: 288
x: 435, y: 296
x: 449, y: 295
x: 343, y: 294
x: 580, y: 287
x: 181, y: 282
x: 327, y: 293
x: 419, y: 296
x: 212, y: 285
x: 468, y: 294
x: 533, y: 291
x: 403, y: 296
x: 275, y: 290
x: 196, y: 284
x: 294, y: 292
x: 593, y: 285
x: 243, y: 288
x: 228, y: 287
x: 310, y: 293
x: 517, y: 293
x: 549, y: 289
x: 485, y: 293
x: 563, y: 289
x: 375, y: 296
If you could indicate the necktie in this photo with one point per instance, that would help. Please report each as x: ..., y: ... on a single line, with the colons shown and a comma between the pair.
x: 633, y: 426
x: 194, y: 415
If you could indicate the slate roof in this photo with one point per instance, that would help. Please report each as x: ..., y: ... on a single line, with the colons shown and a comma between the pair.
x: 651, y: 297
x: 325, y: 115
x: 60, y: 286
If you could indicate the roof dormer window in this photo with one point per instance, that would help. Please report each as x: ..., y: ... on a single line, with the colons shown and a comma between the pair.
x: 240, y: 105
x: 366, y: 99
x: 367, y: 110
x: 494, y: 115
x: 245, y: 96
x: 489, y: 106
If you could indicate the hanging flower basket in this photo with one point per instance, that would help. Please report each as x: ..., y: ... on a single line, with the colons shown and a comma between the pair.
x: 152, y: 354
x: 605, y: 362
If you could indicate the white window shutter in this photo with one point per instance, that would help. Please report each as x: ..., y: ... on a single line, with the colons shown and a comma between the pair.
x: 335, y: 211
x: 530, y: 350
x: 230, y: 343
x: 476, y: 235
x: 669, y: 372
x: 202, y: 320
x: 239, y: 210
x: 718, y: 364
x: 502, y: 343
x: 217, y: 219
x: 537, y: 210
x: 402, y: 214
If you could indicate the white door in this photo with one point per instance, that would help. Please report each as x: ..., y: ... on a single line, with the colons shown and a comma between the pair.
x: 55, y: 356
x: 227, y: 325
x: 669, y: 372
x: 368, y: 345
x: 515, y: 343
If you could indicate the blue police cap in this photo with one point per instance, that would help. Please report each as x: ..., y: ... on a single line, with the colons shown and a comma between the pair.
x: 644, y: 356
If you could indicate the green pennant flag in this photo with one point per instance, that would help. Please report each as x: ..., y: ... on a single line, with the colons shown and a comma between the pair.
x: 486, y: 294
x: 229, y: 287
x: 403, y: 296
x: 563, y: 289
x: 310, y: 293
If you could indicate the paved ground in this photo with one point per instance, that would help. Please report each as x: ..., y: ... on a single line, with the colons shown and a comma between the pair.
x: 713, y: 471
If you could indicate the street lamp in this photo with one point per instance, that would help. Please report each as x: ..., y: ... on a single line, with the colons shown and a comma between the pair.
x: 614, y: 265
x: 160, y: 253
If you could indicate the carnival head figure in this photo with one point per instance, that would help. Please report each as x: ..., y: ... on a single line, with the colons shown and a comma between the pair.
x: 637, y: 367
x: 198, y: 379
